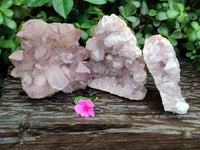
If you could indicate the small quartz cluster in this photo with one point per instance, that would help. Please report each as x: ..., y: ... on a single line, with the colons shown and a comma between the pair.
x: 116, y: 63
x: 52, y: 59
x: 161, y: 61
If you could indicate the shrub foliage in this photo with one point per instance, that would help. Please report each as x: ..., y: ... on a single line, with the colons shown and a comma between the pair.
x: 177, y: 20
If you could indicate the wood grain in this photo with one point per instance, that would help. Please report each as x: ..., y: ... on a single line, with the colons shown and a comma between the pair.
x: 51, y: 123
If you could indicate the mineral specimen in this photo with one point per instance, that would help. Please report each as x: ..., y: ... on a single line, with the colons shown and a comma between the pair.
x: 52, y: 59
x: 117, y: 65
x: 161, y: 61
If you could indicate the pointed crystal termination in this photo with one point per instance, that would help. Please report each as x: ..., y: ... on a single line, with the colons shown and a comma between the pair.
x: 117, y: 64
x: 161, y: 61
x: 52, y: 59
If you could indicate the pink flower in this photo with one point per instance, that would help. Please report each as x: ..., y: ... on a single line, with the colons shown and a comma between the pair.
x: 85, y: 108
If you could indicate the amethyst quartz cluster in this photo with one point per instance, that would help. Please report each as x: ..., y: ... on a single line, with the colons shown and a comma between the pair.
x: 52, y: 60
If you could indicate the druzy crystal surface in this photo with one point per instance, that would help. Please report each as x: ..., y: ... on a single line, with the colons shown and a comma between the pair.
x: 161, y: 61
x: 52, y: 59
x: 116, y: 63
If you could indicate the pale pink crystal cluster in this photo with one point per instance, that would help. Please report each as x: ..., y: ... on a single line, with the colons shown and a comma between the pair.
x: 161, y: 61
x: 52, y: 59
x: 116, y: 63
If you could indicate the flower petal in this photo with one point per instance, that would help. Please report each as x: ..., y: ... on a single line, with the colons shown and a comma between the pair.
x: 91, y: 112
x: 82, y: 102
x: 84, y: 114
x: 90, y: 103
x: 78, y: 108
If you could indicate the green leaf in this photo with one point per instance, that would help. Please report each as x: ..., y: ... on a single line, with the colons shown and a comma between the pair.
x: 21, y: 25
x: 152, y: 12
x: 128, y: 10
x: 141, y: 41
x: 7, y: 43
x: 188, y: 30
x: 194, y: 24
x: 132, y: 19
x: 135, y: 24
x: 173, y: 41
x: 197, y: 12
x: 112, y: 1
x: 76, y: 100
x: 36, y: 3
x: 97, y: 2
x: 192, y: 16
x: 181, y: 18
x: 1, y: 18
x: 147, y: 35
x: 163, y: 30
x: 177, y: 26
x: 148, y: 28
x: 171, y: 24
x: 193, y: 57
x: 139, y: 35
x: 156, y: 23
x: 198, y: 45
x: 41, y: 14
x: 19, y: 2
x: 159, y: 6
x: 144, y: 8
x: 189, y: 45
x: 10, y: 23
x: 20, y: 12
x: 84, y: 35
x: 76, y: 24
x: 7, y: 12
x: 122, y: 11
x: 0, y: 51
x: 180, y: 6
x: 123, y: 19
x: 198, y: 35
x: 6, y: 3
x: 165, y: 4
x: 177, y: 34
x: 194, y: 51
x: 87, y: 24
x: 161, y: 16
x: 93, y: 10
x: 55, y: 19
x: 63, y: 7
x: 137, y: 4
x: 191, y: 36
x: 91, y: 30
x: 186, y: 22
x: 172, y: 14
x: 189, y: 54
x: 5, y: 55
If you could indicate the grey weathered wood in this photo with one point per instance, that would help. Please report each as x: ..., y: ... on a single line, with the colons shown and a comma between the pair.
x: 51, y: 123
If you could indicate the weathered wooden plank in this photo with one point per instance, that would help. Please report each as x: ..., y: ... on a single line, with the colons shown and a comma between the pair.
x: 51, y: 123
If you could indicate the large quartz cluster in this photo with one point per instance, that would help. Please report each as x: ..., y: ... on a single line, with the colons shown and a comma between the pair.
x: 161, y: 61
x: 51, y: 60
x: 116, y: 63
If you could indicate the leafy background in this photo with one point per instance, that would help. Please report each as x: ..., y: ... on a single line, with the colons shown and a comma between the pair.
x: 177, y: 20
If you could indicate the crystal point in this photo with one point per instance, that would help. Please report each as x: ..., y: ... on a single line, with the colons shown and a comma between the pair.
x: 161, y: 61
